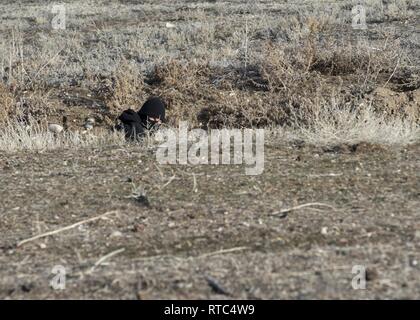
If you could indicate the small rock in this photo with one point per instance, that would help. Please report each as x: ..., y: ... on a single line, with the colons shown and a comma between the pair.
x: 343, y: 241
x: 116, y: 234
x: 324, y: 230
x: 55, y: 128
x: 88, y: 126
x: 170, y: 25
x: 90, y: 120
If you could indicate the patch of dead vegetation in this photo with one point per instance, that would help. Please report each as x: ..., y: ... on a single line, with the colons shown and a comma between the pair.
x: 272, y: 73
x: 7, y: 103
x: 397, y: 104
x: 123, y: 90
x: 207, y: 96
x: 21, y: 105
x: 357, y: 148
x: 280, y: 87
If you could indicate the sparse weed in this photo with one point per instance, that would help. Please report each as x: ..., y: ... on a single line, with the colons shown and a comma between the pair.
x: 227, y: 64
x: 18, y: 136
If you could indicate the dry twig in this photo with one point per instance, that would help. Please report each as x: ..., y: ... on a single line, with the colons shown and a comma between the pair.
x: 303, y: 206
x: 50, y: 233
x: 105, y: 257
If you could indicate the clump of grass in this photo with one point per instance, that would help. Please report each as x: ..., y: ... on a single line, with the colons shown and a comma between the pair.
x: 213, y: 96
x: 123, y: 89
x: 211, y: 70
x: 17, y: 103
x: 18, y: 136
x: 335, y: 124
x: 7, y: 103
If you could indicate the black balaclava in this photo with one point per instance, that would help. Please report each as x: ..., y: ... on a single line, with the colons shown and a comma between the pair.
x: 153, y: 107
x: 131, y: 124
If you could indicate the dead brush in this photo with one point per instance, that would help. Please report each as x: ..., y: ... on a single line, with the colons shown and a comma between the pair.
x: 334, y: 122
x: 406, y: 78
x: 283, y: 70
x: 36, y: 104
x: 243, y: 109
x: 24, y: 106
x: 124, y: 89
x: 214, y: 97
x: 33, y: 135
x: 186, y: 88
x: 365, y: 63
x: 7, y: 103
x: 299, y: 80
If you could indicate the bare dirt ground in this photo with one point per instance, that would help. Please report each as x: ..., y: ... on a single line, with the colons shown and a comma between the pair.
x: 291, y: 65
x: 225, y: 225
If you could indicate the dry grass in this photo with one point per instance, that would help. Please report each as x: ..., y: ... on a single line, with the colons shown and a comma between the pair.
x: 330, y: 125
x: 296, y: 68
x: 124, y: 89
x: 222, y: 65
x: 334, y: 125
x: 7, y: 103
x: 17, y: 136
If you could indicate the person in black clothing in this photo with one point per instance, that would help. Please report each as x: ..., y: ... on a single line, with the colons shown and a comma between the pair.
x: 152, y: 113
x: 148, y: 118
x: 130, y: 124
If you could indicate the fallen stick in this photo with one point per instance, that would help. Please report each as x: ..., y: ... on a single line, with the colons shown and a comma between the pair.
x: 105, y: 257
x: 326, y: 175
x: 303, y: 206
x: 194, y: 183
x: 50, y: 233
x: 167, y: 183
x: 220, y: 252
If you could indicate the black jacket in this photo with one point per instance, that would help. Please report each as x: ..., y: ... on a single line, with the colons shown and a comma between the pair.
x: 131, y: 124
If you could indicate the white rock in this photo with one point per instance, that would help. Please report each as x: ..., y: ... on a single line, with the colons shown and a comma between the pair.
x: 55, y: 128
x: 170, y: 25
x: 88, y: 126
x: 116, y: 234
